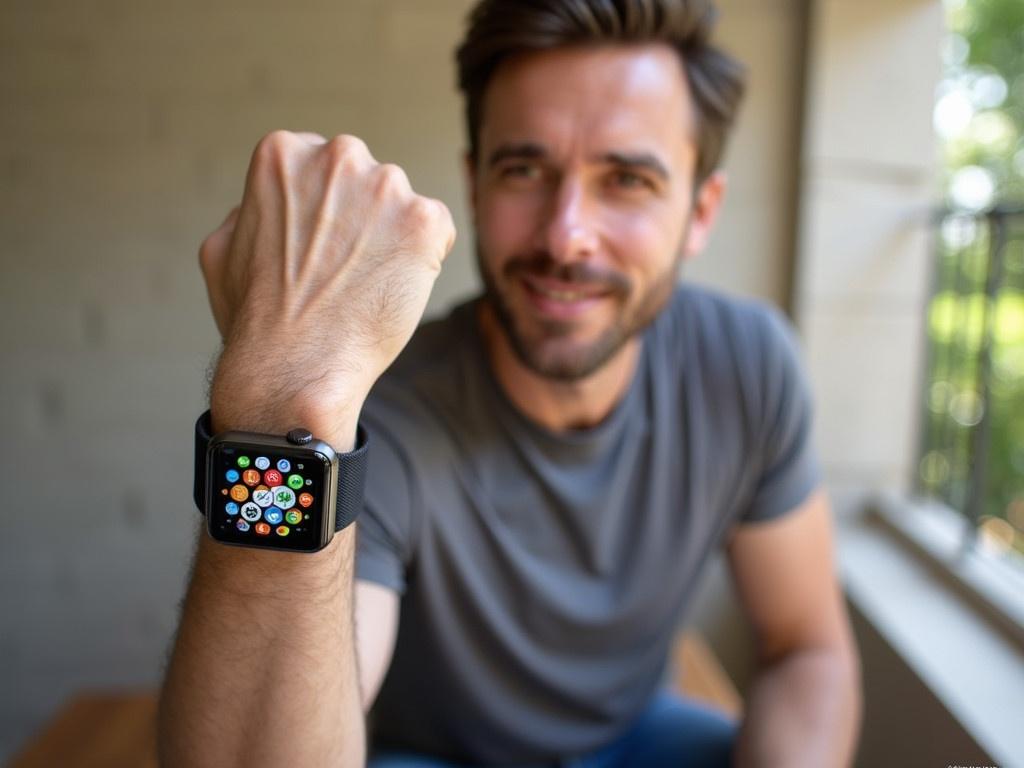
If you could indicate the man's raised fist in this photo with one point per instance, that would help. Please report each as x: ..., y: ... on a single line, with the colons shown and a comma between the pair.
x: 319, y: 278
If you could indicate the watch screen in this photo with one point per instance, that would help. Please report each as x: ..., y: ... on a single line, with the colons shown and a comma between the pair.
x: 264, y: 497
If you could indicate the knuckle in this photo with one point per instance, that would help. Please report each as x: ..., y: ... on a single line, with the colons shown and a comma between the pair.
x: 274, y: 144
x: 345, y: 149
x: 390, y: 180
x: 421, y: 212
x: 311, y: 137
x: 444, y: 215
x: 206, y: 255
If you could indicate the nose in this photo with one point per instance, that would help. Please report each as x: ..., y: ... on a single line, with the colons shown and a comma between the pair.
x: 569, y: 231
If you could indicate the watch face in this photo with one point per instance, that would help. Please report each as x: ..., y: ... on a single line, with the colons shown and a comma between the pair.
x: 270, y: 497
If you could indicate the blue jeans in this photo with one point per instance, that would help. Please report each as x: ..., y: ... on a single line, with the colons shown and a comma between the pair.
x: 672, y: 731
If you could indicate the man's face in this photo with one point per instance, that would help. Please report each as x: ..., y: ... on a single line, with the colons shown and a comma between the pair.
x: 582, y: 194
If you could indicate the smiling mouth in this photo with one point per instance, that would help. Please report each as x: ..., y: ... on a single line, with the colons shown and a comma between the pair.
x: 557, y: 290
x: 562, y: 301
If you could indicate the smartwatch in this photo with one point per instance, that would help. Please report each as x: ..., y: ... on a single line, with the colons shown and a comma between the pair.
x: 289, y: 493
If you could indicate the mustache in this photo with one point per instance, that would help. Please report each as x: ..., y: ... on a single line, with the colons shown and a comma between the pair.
x: 542, y: 264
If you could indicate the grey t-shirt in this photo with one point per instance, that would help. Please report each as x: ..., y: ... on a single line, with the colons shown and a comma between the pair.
x: 542, y: 575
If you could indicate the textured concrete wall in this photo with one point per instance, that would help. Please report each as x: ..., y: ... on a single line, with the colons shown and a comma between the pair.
x: 125, y: 132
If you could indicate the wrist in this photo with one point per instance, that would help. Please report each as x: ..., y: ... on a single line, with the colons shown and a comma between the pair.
x: 256, y: 404
x: 337, y: 428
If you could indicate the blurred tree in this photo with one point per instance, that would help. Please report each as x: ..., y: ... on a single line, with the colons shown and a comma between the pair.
x: 980, y: 113
x: 979, y: 116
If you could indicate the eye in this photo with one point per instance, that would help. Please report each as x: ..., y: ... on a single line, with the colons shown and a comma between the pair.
x: 520, y: 171
x: 630, y: 180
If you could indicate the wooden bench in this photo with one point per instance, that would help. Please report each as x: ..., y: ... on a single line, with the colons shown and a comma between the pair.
x: 118, y: 730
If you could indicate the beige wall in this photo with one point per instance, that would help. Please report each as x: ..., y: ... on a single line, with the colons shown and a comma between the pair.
x: 868, y: 166
x: 752, y: 250
x: 124, y: 135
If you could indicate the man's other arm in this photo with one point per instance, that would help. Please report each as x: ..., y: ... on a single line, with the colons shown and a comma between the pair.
x: 805, y: 703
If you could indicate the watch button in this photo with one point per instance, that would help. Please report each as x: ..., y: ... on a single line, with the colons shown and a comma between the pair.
x: 299, y: 436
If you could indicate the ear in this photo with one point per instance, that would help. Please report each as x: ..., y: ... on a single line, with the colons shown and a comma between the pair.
x: 706, y: 206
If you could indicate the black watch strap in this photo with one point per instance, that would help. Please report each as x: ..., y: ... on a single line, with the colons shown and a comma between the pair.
x: 351, y: 474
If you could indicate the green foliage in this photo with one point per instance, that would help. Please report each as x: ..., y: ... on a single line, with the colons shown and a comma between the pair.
x: 985, y: 57
x: 981, y: 118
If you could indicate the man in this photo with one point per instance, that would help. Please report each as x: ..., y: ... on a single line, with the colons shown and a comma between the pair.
x: 551, y: 465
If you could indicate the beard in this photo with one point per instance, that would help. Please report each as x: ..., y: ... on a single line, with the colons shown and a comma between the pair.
x: 547, y: 347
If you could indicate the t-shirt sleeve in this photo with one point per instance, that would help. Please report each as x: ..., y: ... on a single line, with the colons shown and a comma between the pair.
x: 789, y: 467
x: 384, y: 539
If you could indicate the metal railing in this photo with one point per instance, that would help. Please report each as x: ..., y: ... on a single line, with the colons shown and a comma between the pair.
x: 972, y: 442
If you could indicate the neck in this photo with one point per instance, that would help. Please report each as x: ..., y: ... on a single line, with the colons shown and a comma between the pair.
x: 554, y: 404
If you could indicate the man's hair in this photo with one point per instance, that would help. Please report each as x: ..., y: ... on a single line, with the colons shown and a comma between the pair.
x: 499, y: 29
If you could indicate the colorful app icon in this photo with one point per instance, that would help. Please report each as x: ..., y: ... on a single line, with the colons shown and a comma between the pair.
x: 251, y: 511
x: 232, y: 475
x: 262, y: 462
x: 243, y: 462
x: 264, y: 498
x: 273, y: 516
x: 262, y: 529
x: 294, y: 482
x: 241, y: 525
x: 250, y: 477
x: 239, y: 492
x: 262, y: 487
x: 305, y: 499
x: 283, y: 497
x: 272, y: 477
x: 293, y: 517
x: 284, y: 465
x: 309, y: 482
x: 282, y: 530
x: 231, y: 508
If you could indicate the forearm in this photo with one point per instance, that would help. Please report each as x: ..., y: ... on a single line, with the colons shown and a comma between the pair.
x: 803, y: 710
x: 263, y: 671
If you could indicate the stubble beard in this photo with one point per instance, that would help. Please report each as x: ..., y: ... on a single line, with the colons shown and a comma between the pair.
x: 547, y: 350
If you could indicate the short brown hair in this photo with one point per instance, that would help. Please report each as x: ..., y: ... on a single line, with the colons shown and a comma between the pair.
x: 498, y: 29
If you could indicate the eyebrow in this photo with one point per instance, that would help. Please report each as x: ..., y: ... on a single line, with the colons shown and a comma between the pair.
x: 525, y: 151
x: 641, y: 160
x: 530, y: 151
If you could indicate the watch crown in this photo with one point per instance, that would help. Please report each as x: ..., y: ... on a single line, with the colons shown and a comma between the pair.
x: 299, y: 436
